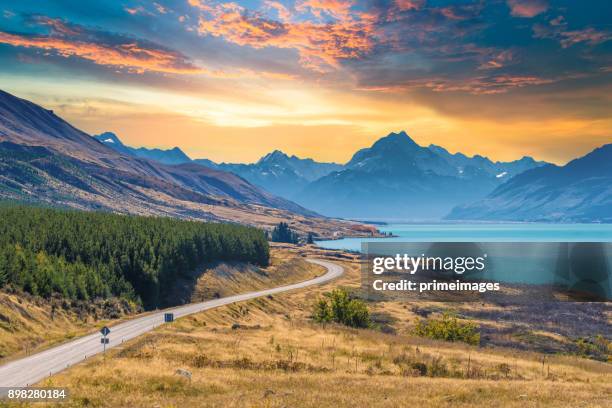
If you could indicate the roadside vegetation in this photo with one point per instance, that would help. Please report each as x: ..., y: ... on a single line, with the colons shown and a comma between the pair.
x: 269, y: 352
x: 339, y: 307
x: 88, y: 255
x: 448, y: 328
x: 30, y: 323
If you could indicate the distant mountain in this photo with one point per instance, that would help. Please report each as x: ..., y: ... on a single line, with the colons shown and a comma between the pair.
x: 397, y: 178
x: 171, y: 156
x: 44, y: 158
x: 480, y: 164
x: 275, y: 172
x: 580, y: 191
x: 281, y: 174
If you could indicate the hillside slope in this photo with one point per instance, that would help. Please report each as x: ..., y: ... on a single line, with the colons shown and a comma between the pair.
x: 397, y: 178
x: 45, y: 159
x: 171, y: 156
x: 580, y: 191
x: 275, y: 172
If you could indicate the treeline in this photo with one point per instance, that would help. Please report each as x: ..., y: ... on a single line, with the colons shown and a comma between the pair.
x: 282, y: 233
x: 84, y: 255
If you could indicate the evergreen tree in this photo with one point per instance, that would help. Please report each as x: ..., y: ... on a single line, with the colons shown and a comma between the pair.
x: 310, y: 239
x: 282, y: 233
x: 84, y: 255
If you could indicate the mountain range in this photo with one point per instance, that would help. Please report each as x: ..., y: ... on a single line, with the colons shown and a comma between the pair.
x: 45, y: 159
x: 396, y: 178
x: 280, y: 173
x: 171, y: 156
x: 275, y: 172
x: 408, y: 181
x: 580, y: 191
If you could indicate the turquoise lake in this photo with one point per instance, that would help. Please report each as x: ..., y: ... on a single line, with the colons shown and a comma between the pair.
x: 485, y: 232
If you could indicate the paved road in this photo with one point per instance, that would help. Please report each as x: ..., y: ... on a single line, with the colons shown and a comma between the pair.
x: 32, y: 369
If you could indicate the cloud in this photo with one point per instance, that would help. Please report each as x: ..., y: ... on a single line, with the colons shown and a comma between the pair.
x: 588, y: 35
x: 527, y: 8
x: 70, y: 40
x: 339, y: 9
x: 557, y: 30
x: 480, y: 85
x: 320, y: 45
x: 283, y: 13
x: 498, y: 61
x: 404, y: 5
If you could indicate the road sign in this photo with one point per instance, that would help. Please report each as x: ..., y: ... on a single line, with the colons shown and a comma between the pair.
x: 104, y: 340
x: 168, y: 317
x: 105, y: 331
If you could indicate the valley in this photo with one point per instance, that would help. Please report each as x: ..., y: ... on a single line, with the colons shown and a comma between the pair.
x: 44, y: 159
x: 269, y: 352
x: 31, y: 324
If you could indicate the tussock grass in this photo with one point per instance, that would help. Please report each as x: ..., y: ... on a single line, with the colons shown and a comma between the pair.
x: 267, y: 352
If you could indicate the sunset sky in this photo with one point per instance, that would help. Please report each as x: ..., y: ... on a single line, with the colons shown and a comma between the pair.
x: 231, y: 81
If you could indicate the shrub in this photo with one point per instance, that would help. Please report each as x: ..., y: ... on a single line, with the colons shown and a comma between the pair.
x: 340, y: 308
x: 448, y: 328
x: 598, y: 348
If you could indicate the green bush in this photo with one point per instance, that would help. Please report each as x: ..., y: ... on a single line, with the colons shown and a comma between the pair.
x: 598, y: 348
x: 448, y: 328
x: 340, y: 308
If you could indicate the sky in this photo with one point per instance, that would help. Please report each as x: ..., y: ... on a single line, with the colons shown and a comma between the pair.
x: 232, y: 81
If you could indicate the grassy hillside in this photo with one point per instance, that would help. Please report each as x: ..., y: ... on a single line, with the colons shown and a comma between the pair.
x: 88, y: 255
x: 30, y: 323
x: 267, y: 352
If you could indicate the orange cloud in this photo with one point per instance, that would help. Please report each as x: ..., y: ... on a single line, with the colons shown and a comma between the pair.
x: 404, y: 5
x: 588, y: 35
x: 283, y: 13
x: 318, y: 44
x: 120, y: 52
x: 527, y: 8
x: 557, y: 30
x: 339, y: 9
x: 483, y: 85
x: 130, y: 55
x: 498, y: 61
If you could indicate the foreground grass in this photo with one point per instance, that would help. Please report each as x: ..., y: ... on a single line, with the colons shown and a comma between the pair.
x: 267, y: 353
x: 287, y: 363
x: 29, y: 324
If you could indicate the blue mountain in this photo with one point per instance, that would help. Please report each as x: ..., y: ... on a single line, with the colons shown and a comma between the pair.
x: 172, y: 156
x: 275, y: 172
x: 580, y: 191
x: 396, y: 178
x: 280, y: 173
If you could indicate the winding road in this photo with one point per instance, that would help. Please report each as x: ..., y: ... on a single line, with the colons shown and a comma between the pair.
x: 34, y: 368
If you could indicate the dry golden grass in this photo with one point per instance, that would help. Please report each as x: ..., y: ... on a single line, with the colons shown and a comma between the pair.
x: 29, y: 324
x: 267, y: 353
x: 228, y: 279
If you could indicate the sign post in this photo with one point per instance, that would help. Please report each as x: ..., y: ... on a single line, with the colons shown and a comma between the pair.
x: 104, y: 340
